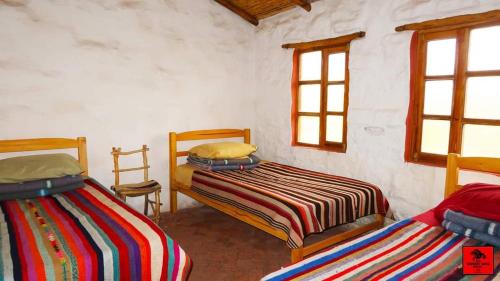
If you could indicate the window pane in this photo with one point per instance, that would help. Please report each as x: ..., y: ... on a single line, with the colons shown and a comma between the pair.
x: 435, y: 136
x: 310, y: 66
x: 484, y: 48
x: 336, y: 67
x: 309, y: 98
x: 482, y: 99
x: 441, y: 57
x: 308, y: 129
x: 481, y: 140
x: 334, y: 128
x: 438, y: 97
x: 335, y: 98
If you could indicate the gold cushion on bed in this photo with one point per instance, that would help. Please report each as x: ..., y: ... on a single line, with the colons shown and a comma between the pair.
x: 183, y: 174
x: 36, y: 167
x: 223, y: 150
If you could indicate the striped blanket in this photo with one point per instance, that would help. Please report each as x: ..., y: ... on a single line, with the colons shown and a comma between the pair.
x: 84, y: 234
x: 297, y: 201
x: 407, y: 250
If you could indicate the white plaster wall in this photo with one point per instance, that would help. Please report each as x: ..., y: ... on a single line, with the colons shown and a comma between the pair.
x: 126, y: 72
x: 379, y: 69
x: 122, y: 73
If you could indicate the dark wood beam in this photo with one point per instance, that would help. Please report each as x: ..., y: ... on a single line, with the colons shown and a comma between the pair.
x: 325, y: 42
x: 239, y: 11
x: 304, y: 4
x: 463, y: 20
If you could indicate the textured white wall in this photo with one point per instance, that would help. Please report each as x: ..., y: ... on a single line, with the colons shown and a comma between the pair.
x: 122, y: 73
x: 379, y: 68
x: 126, y: 72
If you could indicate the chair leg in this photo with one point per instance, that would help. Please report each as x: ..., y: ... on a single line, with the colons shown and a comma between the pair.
x: 146, y: 203
x: 157, y: 208
x: 121, y: 196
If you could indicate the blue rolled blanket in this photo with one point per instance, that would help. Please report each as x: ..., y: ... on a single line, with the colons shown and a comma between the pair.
x: 474, y: 223
x: 473, y: 227
x: 246, y: 163
x: 9, y: 188
x: 40, y: 188
x: 460, y: 229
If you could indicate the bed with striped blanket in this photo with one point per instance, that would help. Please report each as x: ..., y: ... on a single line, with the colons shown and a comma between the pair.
x: 406, y: 250
x: 84, y: 234
x: 299, y: 202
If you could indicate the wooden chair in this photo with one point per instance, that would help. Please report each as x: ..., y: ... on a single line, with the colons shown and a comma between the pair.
x: 137, y: 189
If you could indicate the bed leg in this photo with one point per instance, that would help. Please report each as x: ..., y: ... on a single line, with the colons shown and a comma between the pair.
x: 380, y: 219
x: 173, y: 201
x: 297, y: 255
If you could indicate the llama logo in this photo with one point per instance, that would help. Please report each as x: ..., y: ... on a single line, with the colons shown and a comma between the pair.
x: 477, y: 260
x: 478, y: 255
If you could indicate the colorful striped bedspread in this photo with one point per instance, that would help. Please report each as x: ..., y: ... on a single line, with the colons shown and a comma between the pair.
x: 84, y: 234
x: 406, y: 250
x: 297, y: 201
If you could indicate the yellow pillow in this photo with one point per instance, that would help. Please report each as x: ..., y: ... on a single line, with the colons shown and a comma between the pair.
x: 223, y: 150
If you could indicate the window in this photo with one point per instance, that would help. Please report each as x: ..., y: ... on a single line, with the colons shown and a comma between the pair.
x: 321, y: 98
x: 456, y: 94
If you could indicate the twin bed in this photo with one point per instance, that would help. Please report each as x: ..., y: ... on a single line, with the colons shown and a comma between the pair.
x: 82, y: 234
x: 284, y: 201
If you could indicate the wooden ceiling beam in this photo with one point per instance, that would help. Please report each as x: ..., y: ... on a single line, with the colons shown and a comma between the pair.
x: 239, y: 11
x: 325, y: 42
x: 303, y: 3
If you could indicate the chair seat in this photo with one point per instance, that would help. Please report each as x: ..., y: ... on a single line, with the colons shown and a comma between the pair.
x: 137, y: 189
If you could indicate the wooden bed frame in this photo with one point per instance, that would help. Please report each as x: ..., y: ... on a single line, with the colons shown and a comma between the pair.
x: 476, y: 164
x: 175, y: 186
x: 22, y: 145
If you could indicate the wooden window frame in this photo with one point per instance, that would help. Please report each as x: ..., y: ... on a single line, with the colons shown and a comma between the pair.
x: 457, y: 119
x: 324, y: 83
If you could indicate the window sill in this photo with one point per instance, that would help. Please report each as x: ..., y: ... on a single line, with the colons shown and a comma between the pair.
x: 436, y: 161
x: 329, y: 148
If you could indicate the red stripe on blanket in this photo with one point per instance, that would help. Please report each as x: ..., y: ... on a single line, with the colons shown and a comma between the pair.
x: 150, y: 223
x: 119, y: 243
x: 304, y: 272
x: 275, y: 208
x: 25, y: 238
x: 408, y: 261
x: 58, y: 217
x: 141, y: 240
x: 403, y: 243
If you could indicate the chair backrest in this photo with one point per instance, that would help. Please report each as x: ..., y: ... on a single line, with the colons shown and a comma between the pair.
x: 117, y: 152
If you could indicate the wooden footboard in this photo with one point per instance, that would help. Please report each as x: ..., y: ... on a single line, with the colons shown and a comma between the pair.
x: 175, y: 187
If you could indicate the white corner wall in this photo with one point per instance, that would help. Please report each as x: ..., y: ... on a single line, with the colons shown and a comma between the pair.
x: 379, y: 69
x: 122, y: 73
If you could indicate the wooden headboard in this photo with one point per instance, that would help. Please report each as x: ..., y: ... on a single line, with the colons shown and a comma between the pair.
x: 475, y: 164
x: 200, y: 135
x: 21, y: 145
